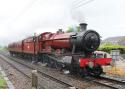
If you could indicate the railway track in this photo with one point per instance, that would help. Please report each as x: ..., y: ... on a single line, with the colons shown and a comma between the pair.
x: 42, y: 73
x: 110, y: 78
x: 112, y: 83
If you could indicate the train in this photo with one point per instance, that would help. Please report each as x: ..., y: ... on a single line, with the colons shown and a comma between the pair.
x: 73, y: 51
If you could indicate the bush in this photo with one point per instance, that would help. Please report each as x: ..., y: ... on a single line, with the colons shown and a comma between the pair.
x: 109, y: 47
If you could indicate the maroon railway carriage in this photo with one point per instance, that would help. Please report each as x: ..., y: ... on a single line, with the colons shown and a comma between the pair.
x: 73, y: 51
x: 30, y: 45
x: 15, y: 48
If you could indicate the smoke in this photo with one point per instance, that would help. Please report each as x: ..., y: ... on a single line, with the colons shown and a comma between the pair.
x: 78, y: 16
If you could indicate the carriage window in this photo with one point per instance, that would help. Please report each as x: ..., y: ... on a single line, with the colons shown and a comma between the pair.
x: 99, y: 56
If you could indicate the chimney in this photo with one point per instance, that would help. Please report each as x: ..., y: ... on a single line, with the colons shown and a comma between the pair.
x: 83, y: 26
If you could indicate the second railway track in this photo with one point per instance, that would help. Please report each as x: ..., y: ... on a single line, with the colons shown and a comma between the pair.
x: 114, y: 84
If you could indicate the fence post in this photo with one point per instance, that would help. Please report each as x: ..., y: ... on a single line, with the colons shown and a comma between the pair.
x: 34, y: 79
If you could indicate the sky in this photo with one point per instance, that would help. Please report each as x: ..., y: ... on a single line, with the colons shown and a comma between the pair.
x: 22, y: 18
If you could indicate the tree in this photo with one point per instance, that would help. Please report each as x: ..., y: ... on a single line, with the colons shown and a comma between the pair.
x: 73, y: 29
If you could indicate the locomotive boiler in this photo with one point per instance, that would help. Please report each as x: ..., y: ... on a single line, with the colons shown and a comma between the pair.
x: 85, y: 41
x: 73, y: 51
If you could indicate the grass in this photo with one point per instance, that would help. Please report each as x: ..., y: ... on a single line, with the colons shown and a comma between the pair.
x: 3, y: 49
x: 3, y: 84
x: 115, y: 71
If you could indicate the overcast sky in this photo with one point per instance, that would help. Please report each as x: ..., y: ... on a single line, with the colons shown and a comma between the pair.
x: 22, y: 18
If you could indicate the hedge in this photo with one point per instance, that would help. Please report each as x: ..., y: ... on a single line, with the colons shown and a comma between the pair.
x: 109, y: 47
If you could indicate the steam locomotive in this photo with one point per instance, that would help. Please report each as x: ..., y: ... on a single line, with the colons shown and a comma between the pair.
x: 73, y: 51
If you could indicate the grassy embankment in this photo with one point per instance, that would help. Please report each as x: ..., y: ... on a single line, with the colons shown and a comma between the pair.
x: 3, y: 84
